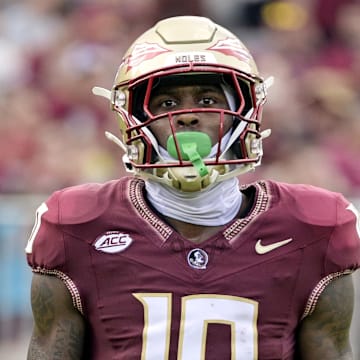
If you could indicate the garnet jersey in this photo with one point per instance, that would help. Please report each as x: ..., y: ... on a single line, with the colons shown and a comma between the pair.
x: 148, y: 293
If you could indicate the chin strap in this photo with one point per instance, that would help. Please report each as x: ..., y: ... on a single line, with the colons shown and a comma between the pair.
x: 269, y: 82
x: 105, y: 93
x: 100, y: 91
x: 110, y: 136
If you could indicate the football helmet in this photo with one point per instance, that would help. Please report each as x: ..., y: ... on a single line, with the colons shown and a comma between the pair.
x: 181, y: 50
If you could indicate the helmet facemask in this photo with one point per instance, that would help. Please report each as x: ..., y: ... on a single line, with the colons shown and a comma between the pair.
x: 241, y: 153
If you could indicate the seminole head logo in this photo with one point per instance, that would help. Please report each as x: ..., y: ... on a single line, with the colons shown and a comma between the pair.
x: 198, y: 259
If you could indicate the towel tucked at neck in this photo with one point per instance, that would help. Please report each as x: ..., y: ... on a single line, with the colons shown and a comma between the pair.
x: 214, y: 206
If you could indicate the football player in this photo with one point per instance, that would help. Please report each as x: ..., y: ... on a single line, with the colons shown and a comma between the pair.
x: 179, y: 260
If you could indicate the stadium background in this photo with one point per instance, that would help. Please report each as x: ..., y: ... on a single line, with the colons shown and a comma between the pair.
x: 51, y: 129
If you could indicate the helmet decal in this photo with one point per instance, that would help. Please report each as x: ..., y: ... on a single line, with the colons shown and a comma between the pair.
x: 141, y: 53
x: 232, y: 47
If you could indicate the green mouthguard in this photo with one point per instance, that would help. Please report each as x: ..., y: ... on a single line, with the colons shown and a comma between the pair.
x: 193, y: 146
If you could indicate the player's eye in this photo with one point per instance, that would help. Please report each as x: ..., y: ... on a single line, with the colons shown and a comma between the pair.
x: 207, y: 101
x: 161, y: 104
x: 168, y: 103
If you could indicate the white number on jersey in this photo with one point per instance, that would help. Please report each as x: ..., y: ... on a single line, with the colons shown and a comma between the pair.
x: 352, y: 208
x: 41, y: 210
x: 197, y: 312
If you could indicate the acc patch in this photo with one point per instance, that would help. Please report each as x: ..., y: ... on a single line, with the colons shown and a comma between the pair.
x: 198, y: 259
x: 113, y: 242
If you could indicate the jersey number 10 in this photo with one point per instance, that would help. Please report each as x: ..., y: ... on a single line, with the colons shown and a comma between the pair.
x: 197, y: 312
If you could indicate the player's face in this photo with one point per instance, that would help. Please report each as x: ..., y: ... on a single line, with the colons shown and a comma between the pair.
x: 173, y: 98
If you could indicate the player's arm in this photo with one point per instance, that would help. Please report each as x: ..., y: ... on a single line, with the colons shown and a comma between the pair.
x: 325, y: 333
x: 58, y: 327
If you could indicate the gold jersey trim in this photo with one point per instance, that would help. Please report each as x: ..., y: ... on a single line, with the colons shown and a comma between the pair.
x: 138, y: 201
x: 319, y: 288
x: 74, y: 292
x: 262, y: 203
x: 136, y: 196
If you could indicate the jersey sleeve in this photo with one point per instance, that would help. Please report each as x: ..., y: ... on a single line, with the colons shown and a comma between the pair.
x: 45, y: 247
x: 49, y: 245
x: 343, y: 251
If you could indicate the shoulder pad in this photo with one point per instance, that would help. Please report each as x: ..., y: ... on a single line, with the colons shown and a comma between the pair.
x: 311, y: 204
x: 79, y: 204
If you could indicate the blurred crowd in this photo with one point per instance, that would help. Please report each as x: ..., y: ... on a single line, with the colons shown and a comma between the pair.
x: 52, y: 52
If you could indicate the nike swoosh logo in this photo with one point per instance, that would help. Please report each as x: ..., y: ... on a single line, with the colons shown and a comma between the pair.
x: 263, y: 249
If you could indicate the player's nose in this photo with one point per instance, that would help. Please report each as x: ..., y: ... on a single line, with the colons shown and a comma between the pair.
x: 187, y: 120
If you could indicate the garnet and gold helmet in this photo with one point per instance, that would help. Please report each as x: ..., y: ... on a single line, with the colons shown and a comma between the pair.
x: 175, y: 50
